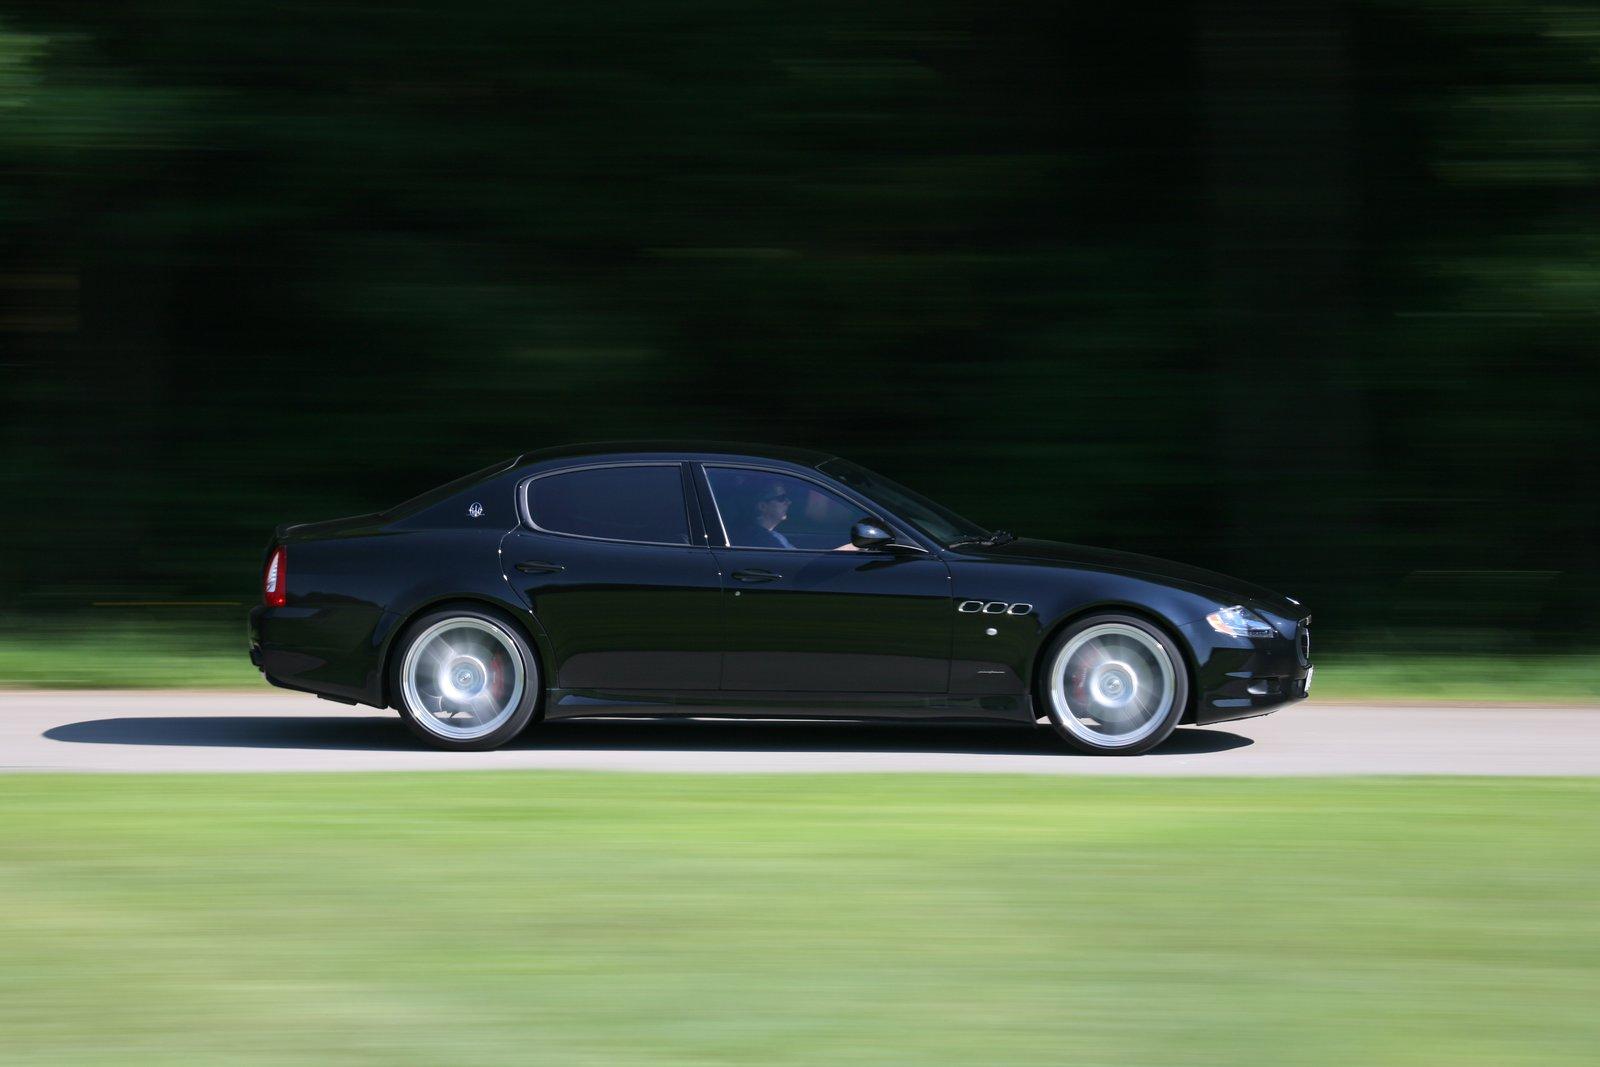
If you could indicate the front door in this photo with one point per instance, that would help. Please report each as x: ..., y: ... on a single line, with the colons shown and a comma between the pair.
x: 804, y: 612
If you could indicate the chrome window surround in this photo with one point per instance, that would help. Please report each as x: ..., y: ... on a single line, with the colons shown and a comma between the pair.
x: 838, y: 491
x: 676, y: 464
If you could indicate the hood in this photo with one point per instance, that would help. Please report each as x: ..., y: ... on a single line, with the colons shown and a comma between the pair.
x: 1221, y: 586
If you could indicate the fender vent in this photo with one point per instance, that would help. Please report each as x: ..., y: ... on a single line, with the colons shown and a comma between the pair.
x: 993, y: 607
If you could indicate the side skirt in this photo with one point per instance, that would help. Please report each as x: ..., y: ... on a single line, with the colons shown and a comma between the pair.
x: 586, y: 703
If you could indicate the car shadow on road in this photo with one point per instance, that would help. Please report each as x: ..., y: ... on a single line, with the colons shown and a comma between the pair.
x: 379, y: 733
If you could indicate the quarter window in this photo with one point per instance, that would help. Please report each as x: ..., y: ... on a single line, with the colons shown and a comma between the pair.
x: 640, y: 503
x: 761, y: 509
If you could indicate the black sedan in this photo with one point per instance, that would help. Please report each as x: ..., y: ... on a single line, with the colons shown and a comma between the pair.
x: 731, y: 580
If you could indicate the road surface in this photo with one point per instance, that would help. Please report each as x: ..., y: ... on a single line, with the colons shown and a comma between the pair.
x: 104, y: 731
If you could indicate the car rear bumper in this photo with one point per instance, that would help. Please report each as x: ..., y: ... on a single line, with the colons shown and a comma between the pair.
x: 291, y: 649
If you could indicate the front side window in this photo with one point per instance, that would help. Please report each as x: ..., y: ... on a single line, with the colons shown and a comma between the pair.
x: 641, y: 503
x: 761, y: 509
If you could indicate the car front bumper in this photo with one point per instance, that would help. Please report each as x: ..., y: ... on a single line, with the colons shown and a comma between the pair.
x: 1238, y: 678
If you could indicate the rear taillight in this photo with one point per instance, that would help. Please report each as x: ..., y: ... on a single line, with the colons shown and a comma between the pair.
x: 275, y: 585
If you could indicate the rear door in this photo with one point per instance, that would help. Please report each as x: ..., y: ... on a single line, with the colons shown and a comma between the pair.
x: 626, y: 592
x: 805, y: 613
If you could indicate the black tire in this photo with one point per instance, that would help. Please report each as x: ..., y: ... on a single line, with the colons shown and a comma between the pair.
x: 502, y: 638
x: 1119, y: 676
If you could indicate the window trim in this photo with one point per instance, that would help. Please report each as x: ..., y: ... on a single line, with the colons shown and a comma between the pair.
x: 527, y: 519
x: 872, y: 508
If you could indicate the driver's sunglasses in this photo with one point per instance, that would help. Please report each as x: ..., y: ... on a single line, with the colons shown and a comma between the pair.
x: 782, y: 498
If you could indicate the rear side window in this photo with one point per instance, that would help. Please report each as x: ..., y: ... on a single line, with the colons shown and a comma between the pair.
x: 643, y: 503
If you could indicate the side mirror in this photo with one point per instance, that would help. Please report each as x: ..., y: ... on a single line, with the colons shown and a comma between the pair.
x: 867, y: 534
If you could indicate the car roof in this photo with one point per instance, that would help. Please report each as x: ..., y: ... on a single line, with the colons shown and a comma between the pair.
x: 677, y: 449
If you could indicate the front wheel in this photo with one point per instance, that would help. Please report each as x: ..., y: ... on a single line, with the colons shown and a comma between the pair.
x: 465, y: 680
x: 1114, y: 685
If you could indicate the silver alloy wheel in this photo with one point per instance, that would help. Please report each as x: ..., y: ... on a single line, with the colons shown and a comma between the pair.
x: 1112, y: 685
x: 463, y: 678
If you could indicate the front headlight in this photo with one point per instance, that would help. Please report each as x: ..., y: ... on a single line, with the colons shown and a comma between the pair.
x: 1239, y: 621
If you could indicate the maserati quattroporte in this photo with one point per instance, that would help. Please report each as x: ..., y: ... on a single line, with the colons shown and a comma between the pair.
x: 732, y: 580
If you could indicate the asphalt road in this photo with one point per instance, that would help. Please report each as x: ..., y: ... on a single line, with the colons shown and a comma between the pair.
x: 272, y: 731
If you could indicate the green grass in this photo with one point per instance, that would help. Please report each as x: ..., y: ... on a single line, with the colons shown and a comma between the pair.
x: 1569, y: 679
x: 610, y: 919
x: 126, y: 656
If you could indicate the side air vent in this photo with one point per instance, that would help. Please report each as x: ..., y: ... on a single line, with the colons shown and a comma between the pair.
x: 993, y: 607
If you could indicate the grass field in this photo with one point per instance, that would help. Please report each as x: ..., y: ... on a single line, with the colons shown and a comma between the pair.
x: 614, y: 919
x: 130, y: 656
x: 127, y: 657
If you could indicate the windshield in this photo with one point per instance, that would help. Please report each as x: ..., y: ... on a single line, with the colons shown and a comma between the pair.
x: 931, y: 519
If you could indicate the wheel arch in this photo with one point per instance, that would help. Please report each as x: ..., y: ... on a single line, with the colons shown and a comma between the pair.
x: 520, y: 618
x: 1116, y: 607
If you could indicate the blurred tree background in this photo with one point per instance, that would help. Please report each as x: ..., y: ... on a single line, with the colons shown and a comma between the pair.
x: 1305, y: 292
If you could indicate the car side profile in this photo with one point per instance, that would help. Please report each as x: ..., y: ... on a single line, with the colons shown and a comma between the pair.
x: 743, y: 581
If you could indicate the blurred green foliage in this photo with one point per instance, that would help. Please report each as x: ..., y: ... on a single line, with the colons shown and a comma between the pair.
x: 1301, y: 292
x: 614, y: 919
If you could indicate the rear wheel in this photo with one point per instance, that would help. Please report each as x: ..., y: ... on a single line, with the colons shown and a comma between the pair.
x: 465, y: 680
x: 1114, y: 685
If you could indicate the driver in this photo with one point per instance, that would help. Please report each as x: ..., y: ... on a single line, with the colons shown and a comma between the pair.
x: 767, y: 511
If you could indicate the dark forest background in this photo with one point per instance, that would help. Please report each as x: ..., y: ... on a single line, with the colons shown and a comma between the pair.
x: 1303, y: 292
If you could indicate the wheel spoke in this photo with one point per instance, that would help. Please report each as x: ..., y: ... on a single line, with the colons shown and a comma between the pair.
x: 1094, y: 656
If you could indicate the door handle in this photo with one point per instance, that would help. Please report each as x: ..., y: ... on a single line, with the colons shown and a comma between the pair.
x: 539, y: 566
x: 756, y: 574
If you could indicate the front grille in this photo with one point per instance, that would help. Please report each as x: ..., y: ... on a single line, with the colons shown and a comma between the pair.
x: 1303, y: 639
